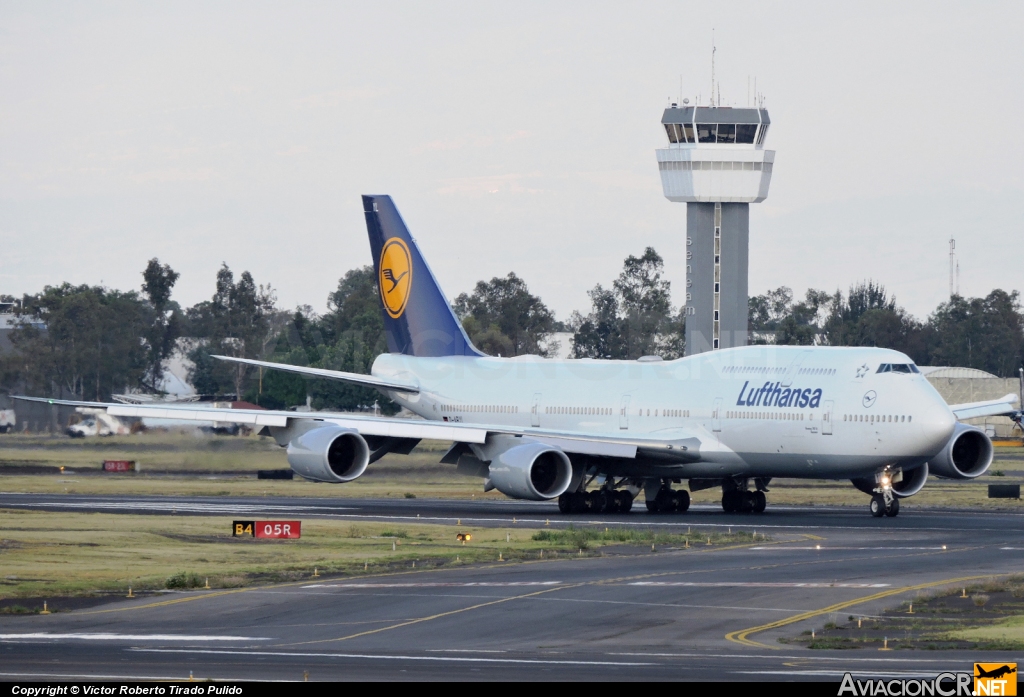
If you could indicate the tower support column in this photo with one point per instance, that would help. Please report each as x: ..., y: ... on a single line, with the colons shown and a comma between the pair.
x: 717, y: 243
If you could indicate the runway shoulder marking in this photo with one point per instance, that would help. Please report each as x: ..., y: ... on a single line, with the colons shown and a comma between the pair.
x: 741, y: 636
x: 393, y: 657
x: 755, y: 584
x: 103, y: 636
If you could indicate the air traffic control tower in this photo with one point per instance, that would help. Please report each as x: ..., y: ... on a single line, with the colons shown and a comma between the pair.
x: 716, y: 164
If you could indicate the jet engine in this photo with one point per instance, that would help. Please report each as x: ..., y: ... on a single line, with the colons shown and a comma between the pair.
x: 329, y: 454
x: 533, y: 471
x: 967, y: 455
x: 912, y: 481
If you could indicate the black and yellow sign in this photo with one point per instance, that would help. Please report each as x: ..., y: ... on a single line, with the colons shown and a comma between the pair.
x: 240, y: 528
x: 395, y: 276
x: 995, y: 679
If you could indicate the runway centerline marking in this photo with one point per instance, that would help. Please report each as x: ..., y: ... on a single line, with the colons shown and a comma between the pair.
x: 756, y: 584
x: 438, y: 615
x: 437, y: 584
x: 104, y: 636
x: 740, y: 637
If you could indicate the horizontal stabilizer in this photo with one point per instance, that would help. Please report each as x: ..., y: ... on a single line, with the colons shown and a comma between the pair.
x: 356, y: 378
x: 1004, y: 406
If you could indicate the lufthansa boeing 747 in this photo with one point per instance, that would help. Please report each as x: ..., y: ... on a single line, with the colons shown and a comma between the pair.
x: 595, y: 433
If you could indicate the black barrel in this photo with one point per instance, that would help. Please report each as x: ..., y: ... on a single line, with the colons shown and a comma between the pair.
x: 1004, y: 491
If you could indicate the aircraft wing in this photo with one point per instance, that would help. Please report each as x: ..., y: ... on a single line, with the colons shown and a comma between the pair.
x: 357, y: 378
x: 1004, y: 406
x: 679, y: 446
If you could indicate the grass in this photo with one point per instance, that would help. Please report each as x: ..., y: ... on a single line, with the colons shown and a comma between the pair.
x: 49, y: 555
x: 984, y: 616
x: 584, y: 538
x: 1009, y: 629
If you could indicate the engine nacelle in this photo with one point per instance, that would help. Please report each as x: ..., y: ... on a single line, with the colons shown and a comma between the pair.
x: 912, y: 481
x: 533, y: 471
x: 329, y: 454
x: 967, y: 455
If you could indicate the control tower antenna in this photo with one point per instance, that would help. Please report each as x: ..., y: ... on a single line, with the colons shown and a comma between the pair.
x: 713, y: 49
x: 952, y: 265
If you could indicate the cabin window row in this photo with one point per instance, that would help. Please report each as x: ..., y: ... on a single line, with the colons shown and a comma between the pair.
x: 678, y: 413
x: 878, y: 418
x: 766, y: 415
x: 686, y: 165
x: 480, y: 408
x: 579, y: 411
x: 754, y: 370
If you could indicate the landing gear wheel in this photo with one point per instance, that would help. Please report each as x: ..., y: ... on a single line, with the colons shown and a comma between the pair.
x: 625, y: 502
x: 877, y: 506
x: 565, y: 503
x: 760, y: 502
x: 598, y: 501
x: 680, y: 501
x: 893, y: 509
x: 729, y: 502
x: 652, y: 506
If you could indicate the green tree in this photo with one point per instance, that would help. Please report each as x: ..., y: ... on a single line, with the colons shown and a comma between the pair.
x: 502, y: 317
x: 82, y: 341
x: 158, y: 282
x: 238, y: 321
x: 985, y: 333
x: 634, y: 318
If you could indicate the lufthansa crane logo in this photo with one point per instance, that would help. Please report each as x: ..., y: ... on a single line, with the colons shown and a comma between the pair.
x: 395, y: 276
x: 869, y: 398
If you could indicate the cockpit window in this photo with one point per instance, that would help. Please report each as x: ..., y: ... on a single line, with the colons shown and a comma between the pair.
x: 898, y: 368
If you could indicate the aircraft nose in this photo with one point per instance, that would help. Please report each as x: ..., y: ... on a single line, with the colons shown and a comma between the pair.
x: 936, y: 422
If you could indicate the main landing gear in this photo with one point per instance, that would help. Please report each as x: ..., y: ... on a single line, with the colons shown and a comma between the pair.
x: 737, y: 499
x: 744, y: 501
x: 669, y: 500
x: 600, y: 501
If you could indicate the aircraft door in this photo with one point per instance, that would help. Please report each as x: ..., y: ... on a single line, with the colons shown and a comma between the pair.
x: 826, y: 419
x: 624, y: 412
x: 716, y: 416
x: 535, y: 411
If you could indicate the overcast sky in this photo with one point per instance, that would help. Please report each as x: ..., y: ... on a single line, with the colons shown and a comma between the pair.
x: 513, y: 136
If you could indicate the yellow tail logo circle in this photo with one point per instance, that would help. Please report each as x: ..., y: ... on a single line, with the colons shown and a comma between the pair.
x: 395, y: 276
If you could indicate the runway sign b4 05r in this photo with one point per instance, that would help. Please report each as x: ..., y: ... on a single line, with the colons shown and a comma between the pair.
x: 268, y: 529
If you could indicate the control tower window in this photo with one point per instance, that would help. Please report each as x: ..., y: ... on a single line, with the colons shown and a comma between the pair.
x: 726, y: 133
x: 745, y: 133
x: 673, y: 134
x: 761, y: 135
x: 688, y: 132
x: 706, y: 132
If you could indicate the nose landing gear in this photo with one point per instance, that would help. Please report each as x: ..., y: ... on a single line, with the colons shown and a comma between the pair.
x: 883, y: 500
x: 882, y: 507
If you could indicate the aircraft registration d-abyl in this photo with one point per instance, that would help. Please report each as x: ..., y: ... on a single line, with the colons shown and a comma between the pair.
x: 595, y: 433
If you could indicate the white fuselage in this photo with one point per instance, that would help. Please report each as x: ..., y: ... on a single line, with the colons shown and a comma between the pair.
x: 757, y: 411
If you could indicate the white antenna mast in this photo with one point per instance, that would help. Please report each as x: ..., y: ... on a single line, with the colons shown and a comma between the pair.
x: 713, y: 49
x: 952, y: 265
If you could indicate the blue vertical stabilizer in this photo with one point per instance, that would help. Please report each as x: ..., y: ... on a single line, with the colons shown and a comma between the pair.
x: 418, y: 320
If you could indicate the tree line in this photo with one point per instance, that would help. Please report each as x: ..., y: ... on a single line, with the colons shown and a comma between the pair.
x: 89, y: 342
x: 984, y: 333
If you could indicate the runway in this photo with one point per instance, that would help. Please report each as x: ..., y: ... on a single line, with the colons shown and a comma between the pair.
x: 702, y: 614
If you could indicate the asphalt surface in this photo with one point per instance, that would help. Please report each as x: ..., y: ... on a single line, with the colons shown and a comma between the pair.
x: 699, y: 613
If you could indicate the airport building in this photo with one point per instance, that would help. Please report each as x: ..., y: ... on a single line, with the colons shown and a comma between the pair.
x: 716, y: 164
